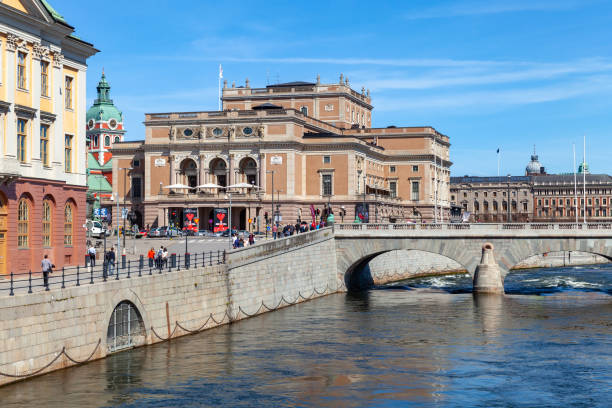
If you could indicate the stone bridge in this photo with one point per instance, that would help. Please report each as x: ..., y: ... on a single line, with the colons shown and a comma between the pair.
x: 357, y: 244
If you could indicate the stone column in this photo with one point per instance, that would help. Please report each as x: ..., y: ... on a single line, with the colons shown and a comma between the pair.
x: 487, y: 278
x: 201, y: 175
x: 172, y: 162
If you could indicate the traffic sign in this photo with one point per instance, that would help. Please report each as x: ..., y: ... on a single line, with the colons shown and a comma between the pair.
x: 124, y: 212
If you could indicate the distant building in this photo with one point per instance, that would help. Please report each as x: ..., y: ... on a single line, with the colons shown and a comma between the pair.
x: 536, y: 197
x: 104, y: 128
x: 486, y: 198
x: 301, y: 145
x: 42, y: 113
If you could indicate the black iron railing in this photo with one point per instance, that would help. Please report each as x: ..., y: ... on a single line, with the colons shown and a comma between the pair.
x: 36, y: 281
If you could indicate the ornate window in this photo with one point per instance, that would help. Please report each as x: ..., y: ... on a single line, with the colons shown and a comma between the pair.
x: 23, y: 223
x: 68, y: 210
x: 21, y: 140
x: 68, y: 153
x: 44, y: 145
x: 112, y: 123
x: 44, y: 78
x: 117, y: 139
x: 327, y: 184
x: 107, y: 141
x: 68, y: 93
x: 187, y: 132
x: 21, y: 70
x: 46, y: 223
x: 217, y: 131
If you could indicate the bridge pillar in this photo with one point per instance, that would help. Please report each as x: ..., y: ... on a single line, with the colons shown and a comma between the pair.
x: 488, y: 278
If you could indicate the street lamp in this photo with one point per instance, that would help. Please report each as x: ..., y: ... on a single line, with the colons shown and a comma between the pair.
x: 509, y: 201
x: 272, y: 205
x: 125, y: 170
x: 277, y: 205
x: 229, y: 221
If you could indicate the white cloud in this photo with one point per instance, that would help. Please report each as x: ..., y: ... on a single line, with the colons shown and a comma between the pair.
x: 470, y: 8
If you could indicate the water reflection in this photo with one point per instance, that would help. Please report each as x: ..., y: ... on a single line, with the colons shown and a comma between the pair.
x: 420, y: 346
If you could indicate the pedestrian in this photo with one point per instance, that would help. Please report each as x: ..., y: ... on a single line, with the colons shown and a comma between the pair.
x: 274, y: 230
x: 110, y: 261
x: 241, y: 243
x: 297, y: 227
x: 47, y: 267
x: 151, y: 256
x: 251, y: 239
x: 158, y: 258
x: 165, y: 257
x: 92, y: 255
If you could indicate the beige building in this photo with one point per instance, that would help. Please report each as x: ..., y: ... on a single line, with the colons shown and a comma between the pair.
x: 486, y: 198
x: 300, y: 145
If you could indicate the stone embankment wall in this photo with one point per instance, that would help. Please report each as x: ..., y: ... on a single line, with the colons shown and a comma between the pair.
x: 46, y: 331
x: 401, y: 264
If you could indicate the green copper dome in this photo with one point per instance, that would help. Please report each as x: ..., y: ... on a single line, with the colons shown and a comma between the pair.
x: 103, y: 107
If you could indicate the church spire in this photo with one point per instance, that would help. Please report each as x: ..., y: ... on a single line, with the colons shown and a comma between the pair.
x: 103, y: 90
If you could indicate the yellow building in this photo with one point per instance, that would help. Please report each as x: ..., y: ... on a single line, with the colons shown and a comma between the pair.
x: 42, y: 137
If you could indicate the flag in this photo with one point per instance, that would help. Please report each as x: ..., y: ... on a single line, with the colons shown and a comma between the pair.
x: 498, y: 150
x: 220, y: 71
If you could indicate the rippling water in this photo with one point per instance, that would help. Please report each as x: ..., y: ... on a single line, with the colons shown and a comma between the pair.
x: 423, y: 342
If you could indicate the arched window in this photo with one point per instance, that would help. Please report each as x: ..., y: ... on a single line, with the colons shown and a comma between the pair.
x: 23, y: 223
x: 107, y: 141
x: 117, y: 139
x: 47, y: 223
x: 68, y: 211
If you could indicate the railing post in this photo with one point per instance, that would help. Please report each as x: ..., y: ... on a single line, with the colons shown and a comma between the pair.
x: 30, y: 282
x: 104, y: 270
x: 91, y: 276
x: 187, y: 260
x: 210, y: 257
x: 203, y: 259
x: 78, y: 284
x: 129, y: 264
x: 63, y: 280
x: 178, y: 268
x: 116, y: 269
x: 11, y: 293
x: 140, y: 265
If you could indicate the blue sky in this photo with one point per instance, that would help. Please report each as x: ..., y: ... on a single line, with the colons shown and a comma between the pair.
x: 489, y: 74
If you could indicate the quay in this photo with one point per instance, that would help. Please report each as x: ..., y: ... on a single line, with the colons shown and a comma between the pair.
x: 72, y: 324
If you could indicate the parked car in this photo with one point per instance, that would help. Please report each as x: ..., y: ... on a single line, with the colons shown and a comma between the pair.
x: 142, y: 233
x: 97, y: 229
x: 153, y: 233
x: 170, y: 232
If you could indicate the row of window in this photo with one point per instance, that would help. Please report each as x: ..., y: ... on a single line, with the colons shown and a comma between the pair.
x: 44, y: 79
x: 495, y: 205
x: 560, y: 202
x: 22, y: 144
x: 23, y: 222
x: 571, y: 191
x: 571, y: 213
x: 107, y: 140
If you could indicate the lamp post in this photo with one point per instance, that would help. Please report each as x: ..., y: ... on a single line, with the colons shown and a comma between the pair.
x: 125, y: 170
x: 272, y: 205
x: 509, y: 201
x: 229, y: 221
x: 277, y: 205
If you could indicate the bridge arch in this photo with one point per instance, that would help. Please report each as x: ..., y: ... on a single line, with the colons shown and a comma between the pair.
x: 354, y: 254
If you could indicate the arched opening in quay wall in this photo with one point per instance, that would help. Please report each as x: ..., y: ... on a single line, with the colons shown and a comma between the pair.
x: 126, y: 328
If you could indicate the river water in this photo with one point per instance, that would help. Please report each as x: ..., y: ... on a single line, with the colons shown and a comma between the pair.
x: 422, y: 342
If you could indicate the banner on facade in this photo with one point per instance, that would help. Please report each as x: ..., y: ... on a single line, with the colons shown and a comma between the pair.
x: 160, y: 162
x: 189, y: 217
x: 362, y: 213
x: 220, y: 219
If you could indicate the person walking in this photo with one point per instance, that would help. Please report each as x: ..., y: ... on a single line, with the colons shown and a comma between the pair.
x: 92, y: 255
x: 110, y: 261
x: 151, y: 256
x: 251, y: 239
x: 158, y: 257
x: 47, y: 267
x: 274, y: 230
x: 165, y: 257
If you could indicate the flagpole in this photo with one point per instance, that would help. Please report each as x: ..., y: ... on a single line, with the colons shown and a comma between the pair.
x: 498, y: 162
x: 584, y: 175
x: 575, y: 185
x: 220, y: 77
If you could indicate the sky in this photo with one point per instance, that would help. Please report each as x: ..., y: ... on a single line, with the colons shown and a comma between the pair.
x: 487, y: 73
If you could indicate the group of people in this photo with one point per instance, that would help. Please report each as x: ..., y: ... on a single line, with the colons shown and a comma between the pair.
x: 158, y: 258
x: 290, y: 229
x: 238, y: 240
